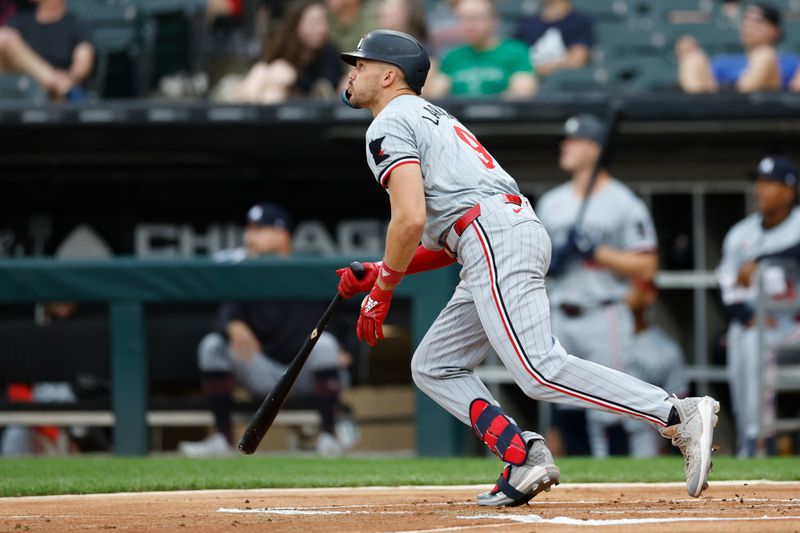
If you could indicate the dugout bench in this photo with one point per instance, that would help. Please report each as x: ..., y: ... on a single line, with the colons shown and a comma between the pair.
x: 126, y: 284
x: 76, y: 351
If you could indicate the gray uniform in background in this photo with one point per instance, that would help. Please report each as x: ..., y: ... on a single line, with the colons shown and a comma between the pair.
x: 745, y: 242
x: 656, y: 358
x: 590, y: 315
x: 500, y: 303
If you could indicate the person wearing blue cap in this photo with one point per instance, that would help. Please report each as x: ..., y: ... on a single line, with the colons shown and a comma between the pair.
x: 772, y: 231
x: 591, y: 270
x: 256, y: 340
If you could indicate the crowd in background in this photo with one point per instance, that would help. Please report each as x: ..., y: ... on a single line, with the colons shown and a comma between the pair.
x: 478, y: 50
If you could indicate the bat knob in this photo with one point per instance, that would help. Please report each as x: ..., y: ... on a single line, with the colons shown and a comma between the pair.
x: 358, y: 270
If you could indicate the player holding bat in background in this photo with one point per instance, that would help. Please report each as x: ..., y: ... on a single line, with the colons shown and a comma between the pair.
x: 603, y: 238
x: 447, y: 190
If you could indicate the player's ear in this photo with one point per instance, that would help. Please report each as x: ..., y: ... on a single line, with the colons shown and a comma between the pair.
x: 389, y: 76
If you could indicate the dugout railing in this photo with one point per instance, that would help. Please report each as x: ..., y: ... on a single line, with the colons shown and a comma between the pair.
x: 777, y: 290
x: 127, y: 284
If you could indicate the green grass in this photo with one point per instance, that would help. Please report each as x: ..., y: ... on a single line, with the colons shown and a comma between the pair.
x: 79, y: 475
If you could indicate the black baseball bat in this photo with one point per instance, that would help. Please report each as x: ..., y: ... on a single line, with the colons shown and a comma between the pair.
x: 272, y: 404
x: 613, y: 115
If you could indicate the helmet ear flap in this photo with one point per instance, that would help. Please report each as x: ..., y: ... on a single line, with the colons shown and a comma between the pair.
x: 346, y: 99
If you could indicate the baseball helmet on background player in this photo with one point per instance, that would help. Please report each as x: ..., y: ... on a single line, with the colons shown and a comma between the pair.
x: 584, y: 127
x: 397, y: 48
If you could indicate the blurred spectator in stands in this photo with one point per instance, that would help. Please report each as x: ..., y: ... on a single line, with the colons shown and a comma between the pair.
x: 445, y: 32
x: 51, y: 45
x: 224, y: 8
x: 407, y: 16
x: 760, y: 68
x: 7, y: 10
x: 300, y: 62
x: 773, y: 231
x: 559, y: 37
x: 487, y: 65
x: 349, y: 21
x: 654, y: 357
x: 255, y: 343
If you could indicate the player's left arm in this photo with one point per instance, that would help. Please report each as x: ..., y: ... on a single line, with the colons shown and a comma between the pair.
x: 642, y: 264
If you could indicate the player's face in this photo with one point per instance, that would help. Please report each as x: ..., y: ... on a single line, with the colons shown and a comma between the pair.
x: 772, y: 195
x: 578, y: 154
x: 313, y: 27
x: 263, y: 240
x: 363, y: 82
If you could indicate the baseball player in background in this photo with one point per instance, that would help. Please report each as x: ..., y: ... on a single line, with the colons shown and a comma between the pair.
x: 654, y: 357
x: 772, y: 231
x: 593, y: 264
x: 448, y: 191
x: 255, y: 341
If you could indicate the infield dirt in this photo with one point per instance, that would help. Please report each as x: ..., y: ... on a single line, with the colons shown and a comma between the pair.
x: 726, y: 506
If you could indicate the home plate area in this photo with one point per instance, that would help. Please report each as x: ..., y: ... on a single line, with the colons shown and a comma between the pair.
x: 730, y: 506
x: 727, y: 506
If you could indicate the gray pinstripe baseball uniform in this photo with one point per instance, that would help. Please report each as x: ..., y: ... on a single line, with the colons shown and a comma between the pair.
x: 590, y: 316
x: 746, y: 241
x: 500, y: 302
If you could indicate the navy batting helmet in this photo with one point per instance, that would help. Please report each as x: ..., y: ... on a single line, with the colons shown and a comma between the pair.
x: 393, y: 47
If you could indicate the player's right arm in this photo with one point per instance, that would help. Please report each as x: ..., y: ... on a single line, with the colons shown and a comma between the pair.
x: 637, y: 257
x: 407, y: 200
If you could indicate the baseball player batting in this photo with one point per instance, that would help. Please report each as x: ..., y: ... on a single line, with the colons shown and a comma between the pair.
x: 448, y: 191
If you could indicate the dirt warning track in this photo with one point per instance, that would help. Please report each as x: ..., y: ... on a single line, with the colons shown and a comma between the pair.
x: 726, y: 506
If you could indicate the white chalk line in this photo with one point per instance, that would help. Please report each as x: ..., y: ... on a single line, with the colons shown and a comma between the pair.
x: 433, y: 488
x: 308, y: 512
x: 563, y: 520
x: 550, y: 505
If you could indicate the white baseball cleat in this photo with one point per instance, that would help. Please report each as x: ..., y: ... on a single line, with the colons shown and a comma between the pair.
x: 518, y: 484
x: 215, y: 445
x: 694, y: 437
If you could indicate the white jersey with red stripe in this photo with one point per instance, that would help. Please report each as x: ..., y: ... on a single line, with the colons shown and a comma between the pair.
x: 458, y: 172
x: 615, y: 217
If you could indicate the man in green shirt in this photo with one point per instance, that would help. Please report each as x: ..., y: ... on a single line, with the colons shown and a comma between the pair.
x: 487, y: 65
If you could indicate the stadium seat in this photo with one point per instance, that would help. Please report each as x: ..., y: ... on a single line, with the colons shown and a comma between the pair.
x: 581, y: 80
x: 639, y: 75
x: 791, y: 40
x: 605, y: 11
x: 619, y: 40
x: 118, y: 40
x: 18, y: 89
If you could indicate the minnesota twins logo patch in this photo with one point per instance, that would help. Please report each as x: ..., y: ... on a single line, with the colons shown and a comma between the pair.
x: 377, y: 151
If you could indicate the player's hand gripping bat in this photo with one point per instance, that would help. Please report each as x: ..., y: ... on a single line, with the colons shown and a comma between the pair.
x: 270, y: 407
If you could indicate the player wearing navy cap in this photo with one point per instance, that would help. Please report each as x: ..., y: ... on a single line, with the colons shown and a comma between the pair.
x: 772, y: 231
x: 255, y: 341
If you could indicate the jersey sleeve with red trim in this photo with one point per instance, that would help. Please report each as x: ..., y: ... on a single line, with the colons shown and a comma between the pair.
x: 391, y: 143
x: 638, y: 230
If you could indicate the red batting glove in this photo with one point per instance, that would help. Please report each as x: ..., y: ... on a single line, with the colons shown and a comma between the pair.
x: 374, y: 309
x: 349, y: 285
